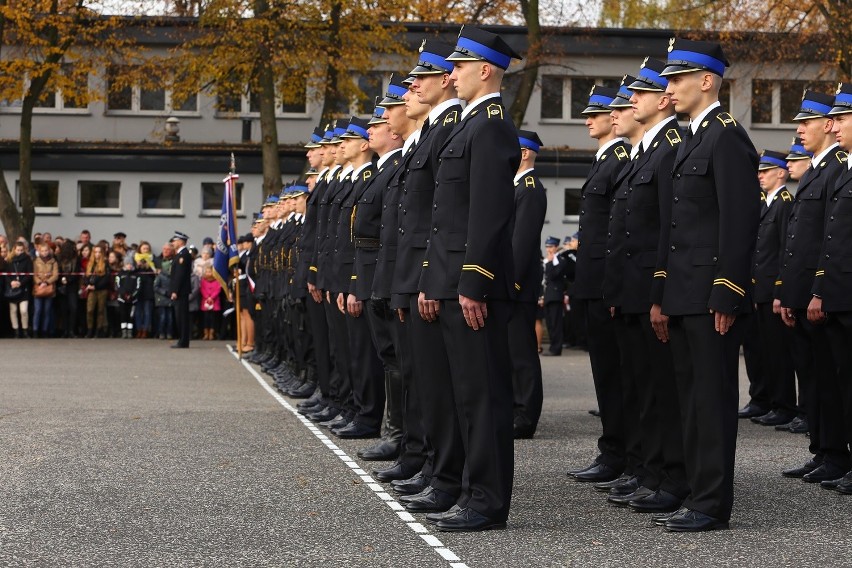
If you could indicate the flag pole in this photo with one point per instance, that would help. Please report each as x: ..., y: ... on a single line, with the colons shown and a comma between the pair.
x: 236, y: 270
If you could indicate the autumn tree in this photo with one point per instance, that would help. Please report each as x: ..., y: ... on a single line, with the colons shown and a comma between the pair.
x: 48, y: 46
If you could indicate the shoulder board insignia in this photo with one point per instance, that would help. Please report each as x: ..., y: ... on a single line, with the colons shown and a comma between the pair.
x: 822, y: 165
x: 474, y: 112
x: 495, y: 109
x: 529, y: 181
x: 451, y: 118
x: 842, y: 157
x: 396, y: 161
x: 725, y: 118
x: 180, y: 260
x: 603, y: 157
x: 673, y: 136
x: 762, y: 196
x: 621, y: 153
x: 366, y: 175
x: 657, y: 143
x: 785, y: 195
x: 705, y: 123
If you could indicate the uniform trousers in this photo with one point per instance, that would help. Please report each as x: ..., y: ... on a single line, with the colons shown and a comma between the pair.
x: 526, y: 365
x: 183, y: 325
x: 839, y: 332
x: 433, y: 386
x: 482, y: 389
x: 758, y: 388
x: 605, y: 360
x: 414, y: 449
x: 777, y: 362
x: 322, y: 354
x: 706, y: 366
x: 365, y: 370
x: 303, y: 337
x: 634, y: 406
x: 338, y: 336
x: 661, y: 436
x: 554, y: 316
x: 379, y: 316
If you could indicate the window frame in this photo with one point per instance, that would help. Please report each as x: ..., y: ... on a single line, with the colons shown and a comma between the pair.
x: 153, y: 212
x: 97, y: 211
x: 567, y: 99
x: 39, y: 210
x: 239, y: 210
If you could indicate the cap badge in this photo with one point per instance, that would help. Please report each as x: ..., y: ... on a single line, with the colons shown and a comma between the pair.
x: 422, y: 46
x: 644, y: 61
x: 592, y: 91
x: 671, y: 44
x: 839, y: 87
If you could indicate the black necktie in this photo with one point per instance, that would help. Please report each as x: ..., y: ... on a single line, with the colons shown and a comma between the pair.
x: 424, y: 128
x: 640, y: 152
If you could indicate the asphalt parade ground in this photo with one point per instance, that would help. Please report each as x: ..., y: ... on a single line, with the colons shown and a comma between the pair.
x: 128, y: 453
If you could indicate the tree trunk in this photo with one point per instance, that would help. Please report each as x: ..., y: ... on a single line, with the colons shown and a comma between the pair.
x: 268, y: 124
x: 332, y: 98
x: 25, y: 174
x: 529, y: 75
x: 9, y: 215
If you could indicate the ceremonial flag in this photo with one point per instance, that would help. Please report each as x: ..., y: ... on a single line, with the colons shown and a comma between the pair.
x: 226, y: 256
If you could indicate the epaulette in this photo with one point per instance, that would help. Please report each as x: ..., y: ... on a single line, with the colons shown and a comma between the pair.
x: 621, y: 153
x: 495, y: 109
x: 785, y: 195
x: 673, y: 136
x: 725, y: 118
x: 762, y: 196
x: 529, y: 181
x: 841, y: 156
x: 451, y: 118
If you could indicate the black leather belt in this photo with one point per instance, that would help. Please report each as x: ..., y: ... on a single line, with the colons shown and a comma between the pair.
x: 366, y: 243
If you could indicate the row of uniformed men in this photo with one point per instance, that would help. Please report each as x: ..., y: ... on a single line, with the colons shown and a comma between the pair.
x: 406, y: 271
x: 669, y: 277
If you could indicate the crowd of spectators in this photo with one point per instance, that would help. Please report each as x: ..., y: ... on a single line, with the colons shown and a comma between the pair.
x: 66, y: 287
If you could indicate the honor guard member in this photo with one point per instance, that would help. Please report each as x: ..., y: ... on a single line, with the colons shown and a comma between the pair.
x: 812, y: 357
x: 798, y: 160
x: 263, y: 283
x: 776, y: 361
x: 366, y: 229
x: 322, y: 160
x: 413, y: 447
x: 831, y: 302
x: 643, y: 205
x: 253, y: 273
x: 469, y: 269
x: 612, y: 155
x: 244, y: 247
x: 530, y: 209
x: 366, y: 374
x: 181, y: 287
x: 557, y: 273
x: 707, y: 295
x: 432, y: 91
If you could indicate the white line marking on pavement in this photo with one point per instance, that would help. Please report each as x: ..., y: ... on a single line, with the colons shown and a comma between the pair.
x: 368, y: 480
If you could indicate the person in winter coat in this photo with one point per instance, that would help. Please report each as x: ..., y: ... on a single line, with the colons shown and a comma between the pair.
x: 45, y: 275
x: 144, y: 261
x: 17, y: 288
x: 163, y: 301
x: 211, y: 306
x: 67, y: 289
x: 97, y: 288
x: 126, y: 284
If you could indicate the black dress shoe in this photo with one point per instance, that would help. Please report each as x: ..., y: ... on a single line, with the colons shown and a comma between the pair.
x: 751, y: 410
x: 773, y: 418
x: 395, y: 472
x: 339, y: 421
x: 573, y: 472
x: 799, y: 426
x: 601, y: 472
x: 356, y: 430
x: 523, y: 431
x: 626, y: 488
x: 468, y: 520
x: 605, y: 486
x: 413, y: 486
x: 384, y: 450
x: 595, y: 412
x: 434, y: 518
x: 660, y: 502
x: 311, y: 409
x: 844, y: 485
x: 325, y: 414
x: 430, y: 500
x: 802, y: 470
x: 831, y: 483
x: 622, y: 499
x: 826, y: 472
x: 693, y: 521
x: 784, y: 427
x: 305, y: 391
x: 660, y: 519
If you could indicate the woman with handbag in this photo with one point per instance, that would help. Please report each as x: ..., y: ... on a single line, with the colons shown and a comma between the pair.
x: 45, y: 275
x: 97, y: 282
x: 17, y: 290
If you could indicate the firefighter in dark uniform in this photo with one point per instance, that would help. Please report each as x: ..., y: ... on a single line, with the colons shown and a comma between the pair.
x: 181, y: 286
x: 831, y: 302
x: 707, y: 298
x: 774, y: 340
x: 597, y: 194
x: 530, y: 209
x: 812, y: 357
x: 469, y: 269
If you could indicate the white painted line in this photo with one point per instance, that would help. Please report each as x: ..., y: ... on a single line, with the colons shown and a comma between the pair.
x: 368, y: 480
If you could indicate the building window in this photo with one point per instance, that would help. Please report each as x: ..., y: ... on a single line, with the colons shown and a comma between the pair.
x: 45, y: 195
x: 160, y: 198
x: 775, y: 103
x: 99, y: 197
x: 371, y: 85
x: 242, y: 102
x: 572, y: 202
x: 126, y: 96
x: 565, y: 98
x: 211, y: 199
x: 53, y: 98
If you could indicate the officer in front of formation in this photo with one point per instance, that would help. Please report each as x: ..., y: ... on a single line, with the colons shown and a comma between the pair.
x: 831, y: 303
x: 556, y: 276
x: 181, y: 286
x: 530, y: 209
x: 812, y: 357
x: 707, y: 297
x: 597, y: 193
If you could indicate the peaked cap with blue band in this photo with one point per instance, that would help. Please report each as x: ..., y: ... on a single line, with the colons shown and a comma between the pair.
x: 622, y: 99
x: 475, y: 44
x: 271, y: 201
x: 328, y: 135
x: 357, y: 129
x: 396, y: 90
x: 842, y: 99
x: 814, y: 105
x: 316, y: 138
x: 433, y: 58
x: 530, y: 140
x: 649, y: 78
x: 686, y: 56
x: 798, y: 152
x: 378, y: 114
x: 770, y: 159
x: 599, y: 100
x: 551, y: 242
x: 339, y: 131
